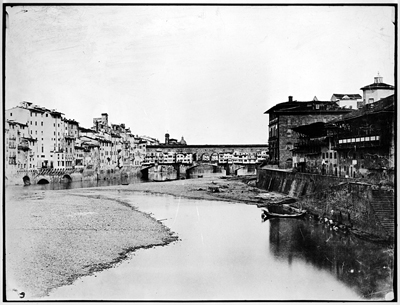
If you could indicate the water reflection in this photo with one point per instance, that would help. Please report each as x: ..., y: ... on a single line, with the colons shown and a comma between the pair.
x: 66, y: 184
x: 364, y: 266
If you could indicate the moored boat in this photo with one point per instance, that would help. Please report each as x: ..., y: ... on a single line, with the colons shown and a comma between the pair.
x: 282, y: 211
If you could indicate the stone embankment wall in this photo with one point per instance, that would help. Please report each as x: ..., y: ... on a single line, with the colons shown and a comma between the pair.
x: 73, y: 175
x: 343, y: 200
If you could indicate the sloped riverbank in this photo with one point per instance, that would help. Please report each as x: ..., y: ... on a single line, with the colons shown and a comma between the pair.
x: 55, y: 237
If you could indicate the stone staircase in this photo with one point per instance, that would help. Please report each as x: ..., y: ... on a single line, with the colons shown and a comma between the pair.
x: 383, y: 204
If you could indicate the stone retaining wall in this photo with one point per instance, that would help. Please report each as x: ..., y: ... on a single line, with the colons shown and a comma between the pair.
x: 73, y: 175
x: 341, y: 199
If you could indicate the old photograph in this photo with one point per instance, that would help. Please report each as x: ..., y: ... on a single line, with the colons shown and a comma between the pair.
x: 199, y: 152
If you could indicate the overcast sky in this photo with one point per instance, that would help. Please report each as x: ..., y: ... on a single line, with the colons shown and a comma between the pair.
x: 207, y: 73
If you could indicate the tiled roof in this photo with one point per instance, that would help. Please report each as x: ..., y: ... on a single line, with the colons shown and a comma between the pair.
x: 375, y: 86
x: 296, y: 105
x: 351, y: 96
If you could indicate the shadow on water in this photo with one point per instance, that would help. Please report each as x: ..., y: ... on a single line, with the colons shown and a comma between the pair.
x: 364, y: 266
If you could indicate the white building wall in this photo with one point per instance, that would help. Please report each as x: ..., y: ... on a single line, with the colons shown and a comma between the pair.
x: 372, y: 96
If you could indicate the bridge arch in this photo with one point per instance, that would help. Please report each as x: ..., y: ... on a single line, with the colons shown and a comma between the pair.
x: 205, y: 157
x: 43, y: 181
x: 67, y: 178
x: 26, y: 180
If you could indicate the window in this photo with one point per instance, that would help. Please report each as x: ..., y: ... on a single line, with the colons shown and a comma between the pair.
x: 42, y: 123
x: 335, y: 156
x: 10, y: 113
x: 35, y: 123
x: 330, y: 155
x: 35, y: 113
x: 47, y: 115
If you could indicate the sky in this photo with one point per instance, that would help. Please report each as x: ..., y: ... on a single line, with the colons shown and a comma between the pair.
x: 205, y: 73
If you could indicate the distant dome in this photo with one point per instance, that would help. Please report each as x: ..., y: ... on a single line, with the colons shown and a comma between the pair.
x: 182, y: 141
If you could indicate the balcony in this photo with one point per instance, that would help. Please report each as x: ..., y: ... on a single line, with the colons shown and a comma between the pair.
x: 309, y: 146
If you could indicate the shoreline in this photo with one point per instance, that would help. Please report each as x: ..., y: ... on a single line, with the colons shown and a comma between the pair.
x: 53, y: 239
x: 101, y: 228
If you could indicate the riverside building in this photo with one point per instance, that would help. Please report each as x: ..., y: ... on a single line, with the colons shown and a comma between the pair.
x: 40, y: 138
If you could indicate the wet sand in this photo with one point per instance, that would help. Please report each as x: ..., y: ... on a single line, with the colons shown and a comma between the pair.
x: 55, y: 237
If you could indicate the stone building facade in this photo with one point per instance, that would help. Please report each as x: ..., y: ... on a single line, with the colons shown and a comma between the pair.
x: 285, y: 116
x: 360, y: 144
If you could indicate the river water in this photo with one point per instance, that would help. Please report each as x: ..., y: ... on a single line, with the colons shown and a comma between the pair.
x: 226, y: 252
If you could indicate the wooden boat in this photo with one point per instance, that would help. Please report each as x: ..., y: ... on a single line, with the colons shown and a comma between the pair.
x: 284, y: 201
x: 284, y: 211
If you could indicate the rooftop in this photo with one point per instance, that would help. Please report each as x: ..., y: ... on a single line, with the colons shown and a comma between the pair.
x: 341, y: 96
x: 378, y: 84
x: 383, y: 105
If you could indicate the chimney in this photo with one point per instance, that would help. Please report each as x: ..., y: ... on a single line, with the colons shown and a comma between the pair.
x: 290, y: 98
x: 167, y: 138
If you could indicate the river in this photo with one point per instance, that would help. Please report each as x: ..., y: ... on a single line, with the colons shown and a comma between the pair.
x: 226, y: 252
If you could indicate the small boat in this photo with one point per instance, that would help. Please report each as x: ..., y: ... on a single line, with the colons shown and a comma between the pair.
x: 284, y: 211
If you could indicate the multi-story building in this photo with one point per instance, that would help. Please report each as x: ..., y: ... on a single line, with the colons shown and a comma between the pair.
x: 313, y: 150
x: 359, y: 144
x: 285, y: 116
x: 50, y: 129
x: 376, y: 91
x: 37, y: 137
x: 365, y: 139
x: 20, y: 147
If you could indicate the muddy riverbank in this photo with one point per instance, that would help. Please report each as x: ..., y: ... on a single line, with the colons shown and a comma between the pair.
x: 233, y: 189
